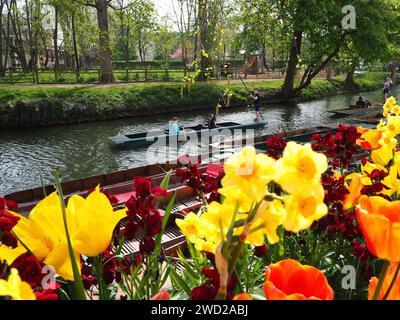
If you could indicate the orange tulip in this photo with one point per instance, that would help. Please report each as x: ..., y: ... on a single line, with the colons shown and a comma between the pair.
x: 290, y: 280
x: 243, y: 296
x: 162, y: 295
x: 379, y: 220
x: 394, y: 292
x: 370, y: 139
x: 351, y: 199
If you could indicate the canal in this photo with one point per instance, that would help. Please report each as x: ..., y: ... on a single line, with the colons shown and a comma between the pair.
x: 84, y: 150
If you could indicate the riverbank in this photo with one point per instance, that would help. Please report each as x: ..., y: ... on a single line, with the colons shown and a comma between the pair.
x: 50, y: 105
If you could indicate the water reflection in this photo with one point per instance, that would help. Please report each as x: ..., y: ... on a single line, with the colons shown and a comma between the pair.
x: 83, y: 150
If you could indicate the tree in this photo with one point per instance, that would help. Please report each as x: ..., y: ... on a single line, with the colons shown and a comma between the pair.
x: 106, y: 70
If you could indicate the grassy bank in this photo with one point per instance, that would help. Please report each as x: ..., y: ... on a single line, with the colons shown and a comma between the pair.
x: 39, y: 106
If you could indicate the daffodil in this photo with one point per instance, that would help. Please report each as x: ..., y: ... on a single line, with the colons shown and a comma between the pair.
x: 269, y: 216
x: 217, y: 219
x: 192, y: 227
x: 384, y: 154
x: 299, y: 167
x: 303, y: 208
x: 15, y: 288
x: 246, y: 176
x: 9, y: 254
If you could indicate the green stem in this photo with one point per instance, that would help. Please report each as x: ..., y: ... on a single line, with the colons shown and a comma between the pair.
x: 78, y: 284
x: 382, y: 277
x: 392, y: 283
x: 99, y: 276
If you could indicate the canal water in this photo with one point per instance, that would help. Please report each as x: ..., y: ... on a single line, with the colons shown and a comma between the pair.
x: 83, y: 150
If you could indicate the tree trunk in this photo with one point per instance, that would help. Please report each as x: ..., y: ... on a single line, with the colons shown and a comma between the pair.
x: 202, y: 44
x: 55, y: 43
x: 2, y: 67
x: 329, y: 72
x: 349, y: 82
x: 106, y: 72
x: 77, y: 66
x: 291, y: 70
x: 18, y: 46
x: 127, y: 55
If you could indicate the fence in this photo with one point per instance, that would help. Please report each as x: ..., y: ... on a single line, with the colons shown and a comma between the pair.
x: 19, y: 76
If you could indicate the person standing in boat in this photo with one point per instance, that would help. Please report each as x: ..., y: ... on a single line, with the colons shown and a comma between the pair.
x: 257, y: 104
x: 386, y: 88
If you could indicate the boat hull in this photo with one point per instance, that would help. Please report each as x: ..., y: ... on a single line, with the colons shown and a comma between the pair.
x: 150, y: 138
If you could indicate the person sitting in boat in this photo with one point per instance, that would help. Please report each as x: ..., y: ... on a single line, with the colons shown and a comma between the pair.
x: 360, y: 103
x: 368, y: 104
x: 174, y: 127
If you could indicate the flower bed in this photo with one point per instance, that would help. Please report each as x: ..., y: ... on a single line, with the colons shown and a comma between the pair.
x: 278, y: 226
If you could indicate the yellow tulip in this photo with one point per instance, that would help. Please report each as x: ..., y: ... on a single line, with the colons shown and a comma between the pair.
x: 44, y: 234
x: 299, y: 167
x: 15, y: 288
x: 303, y: 208
x: 91, y: 222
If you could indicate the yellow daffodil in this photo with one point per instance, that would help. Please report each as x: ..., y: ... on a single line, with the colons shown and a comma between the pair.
x: 389, y: 107
x: 304, y: 208
x: 15, y: 288
x: 270, y: 215
x: 217, y: 219
x: 192, y: 227
x: 9, y: 254
x: 299, y: 167
x: 384, y: 154
x: 246, y: 177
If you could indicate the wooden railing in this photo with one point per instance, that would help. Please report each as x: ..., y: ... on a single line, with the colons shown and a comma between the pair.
x: 92, y: 75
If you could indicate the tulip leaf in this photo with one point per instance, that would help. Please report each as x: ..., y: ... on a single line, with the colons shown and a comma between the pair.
x: 164, y: 224
x: 180, y: 282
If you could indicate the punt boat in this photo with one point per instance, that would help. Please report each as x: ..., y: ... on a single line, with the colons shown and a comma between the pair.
x: 356, y: 111
x: 142, y: 139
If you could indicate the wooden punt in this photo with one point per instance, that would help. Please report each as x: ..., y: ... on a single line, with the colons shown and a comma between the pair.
x: 148, y: 138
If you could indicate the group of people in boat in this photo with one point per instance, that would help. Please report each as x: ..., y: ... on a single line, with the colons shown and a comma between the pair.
x: 361, y: 103
x: 175, y: 128
x: 211, y: 123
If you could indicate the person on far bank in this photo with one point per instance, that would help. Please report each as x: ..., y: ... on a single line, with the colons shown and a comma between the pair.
x: 257, y: 104
x: 386, y: 88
